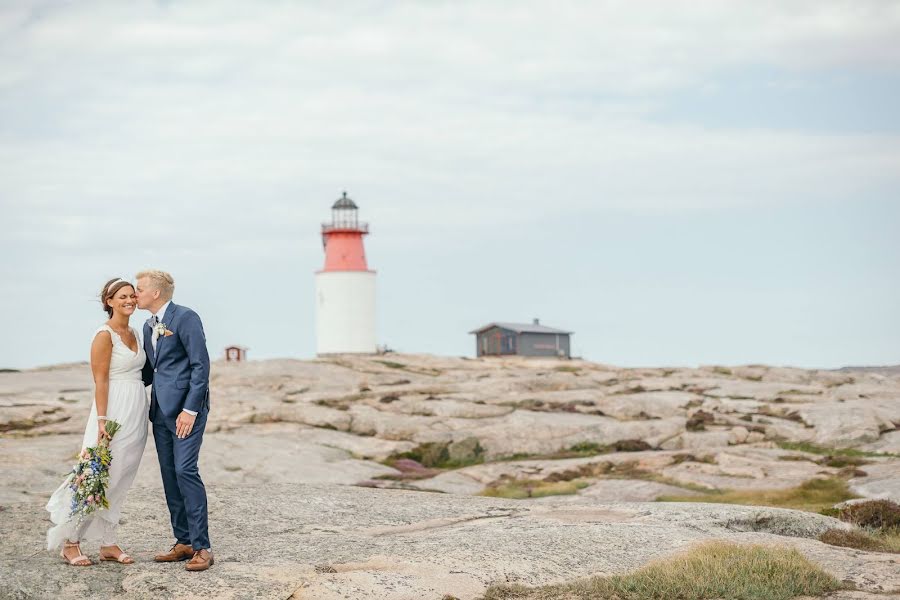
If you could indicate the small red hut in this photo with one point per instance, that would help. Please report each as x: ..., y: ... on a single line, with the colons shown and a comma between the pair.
x: 235, y: 354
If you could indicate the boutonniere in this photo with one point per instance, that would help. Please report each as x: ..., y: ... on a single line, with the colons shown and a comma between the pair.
x: 161, y: 330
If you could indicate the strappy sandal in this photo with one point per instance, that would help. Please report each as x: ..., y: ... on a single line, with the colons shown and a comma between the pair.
x: 78, y: 561
x: 123, y: 558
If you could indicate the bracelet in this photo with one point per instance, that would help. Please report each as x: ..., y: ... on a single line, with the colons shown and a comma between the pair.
x: 103, y: 417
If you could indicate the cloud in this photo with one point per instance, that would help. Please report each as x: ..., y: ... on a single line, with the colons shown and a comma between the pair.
x: 221, y: 131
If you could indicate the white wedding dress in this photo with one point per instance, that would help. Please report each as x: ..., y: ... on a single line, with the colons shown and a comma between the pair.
x: 129, y: 406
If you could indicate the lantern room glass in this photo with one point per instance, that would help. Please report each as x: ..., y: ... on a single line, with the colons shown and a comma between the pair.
x: 344, y: 213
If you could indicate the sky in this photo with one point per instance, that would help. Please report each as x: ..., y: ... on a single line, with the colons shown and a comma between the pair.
x: 679, y: 184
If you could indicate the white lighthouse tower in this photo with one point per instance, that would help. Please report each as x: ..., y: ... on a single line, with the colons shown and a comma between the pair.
x: 345, y: 287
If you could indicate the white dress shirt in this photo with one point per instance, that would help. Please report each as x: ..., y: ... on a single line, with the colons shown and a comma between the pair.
x: 159, y: 315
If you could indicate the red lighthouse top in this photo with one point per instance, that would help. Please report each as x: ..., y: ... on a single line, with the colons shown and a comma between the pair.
x: 342, y: 238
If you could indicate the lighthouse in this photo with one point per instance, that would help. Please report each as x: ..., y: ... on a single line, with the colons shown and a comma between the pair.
x: 345, y: 287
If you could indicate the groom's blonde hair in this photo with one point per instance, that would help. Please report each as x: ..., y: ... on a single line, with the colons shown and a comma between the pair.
x: 160, y: 280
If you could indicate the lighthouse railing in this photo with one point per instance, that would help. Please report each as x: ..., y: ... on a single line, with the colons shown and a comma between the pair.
x: 359, y: 227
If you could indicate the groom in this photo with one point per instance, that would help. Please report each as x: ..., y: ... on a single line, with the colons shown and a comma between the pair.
x: 178, y: 367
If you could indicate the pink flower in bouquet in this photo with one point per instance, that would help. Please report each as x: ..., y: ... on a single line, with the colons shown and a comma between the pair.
x: 91, y: 476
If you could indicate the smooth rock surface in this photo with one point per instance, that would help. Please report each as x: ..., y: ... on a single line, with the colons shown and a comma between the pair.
x: 392, y: 545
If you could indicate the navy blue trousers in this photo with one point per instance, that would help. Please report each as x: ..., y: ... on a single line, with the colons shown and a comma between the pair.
x: 185, y: 493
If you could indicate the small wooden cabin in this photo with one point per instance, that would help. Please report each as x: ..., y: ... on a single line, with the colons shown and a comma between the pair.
x: 523, y: 339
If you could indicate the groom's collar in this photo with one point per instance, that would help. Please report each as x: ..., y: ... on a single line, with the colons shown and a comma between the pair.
x: 161, y: 313
x: 162, y: 310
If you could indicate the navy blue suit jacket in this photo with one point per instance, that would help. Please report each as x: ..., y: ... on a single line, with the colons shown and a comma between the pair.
x: 179, y: 369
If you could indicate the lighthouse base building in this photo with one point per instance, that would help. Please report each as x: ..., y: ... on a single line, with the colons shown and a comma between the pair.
x: 345, y: 312
x: 345, y: 287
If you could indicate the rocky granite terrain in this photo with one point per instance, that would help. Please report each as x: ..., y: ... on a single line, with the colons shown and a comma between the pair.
x: 293, y: 449
x: 328, y: 542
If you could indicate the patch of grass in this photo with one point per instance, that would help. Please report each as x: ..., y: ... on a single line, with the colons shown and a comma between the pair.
x: 722, y: 371
x: 519, y: 456
x: 418, y: 370
x: 875, y: 514
x: 863, y: 539
x: 890, y: 540
x: 708, y: 571
x: 567, y: 369
x: 409, y: 475
x: 682, y: 457
x: 520, y: 489
x: 630, y: 446
x: 782, y: 413
x: 796, y: 458
x: 342, y: 403
x: 442, y: 455
x: 796, y: 392
x: 630, y: 470
x: 837, y: 462
x: 582, y: 450
x: 811, y: 448
x: 391, y: 364
x: 841, y: 462
x: 699, y: 420
x: 878, y: 522
x: 635, y: 389
x: 581, y: 476
x: 814, y: 495
x: 839, y: 382
x: 586, y: 407
x: 588, y: 448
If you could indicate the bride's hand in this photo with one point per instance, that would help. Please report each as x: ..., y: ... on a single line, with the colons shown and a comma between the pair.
x: 101, y: 430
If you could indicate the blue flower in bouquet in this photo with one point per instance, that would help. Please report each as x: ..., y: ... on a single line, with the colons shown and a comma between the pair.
x: 90, y: 476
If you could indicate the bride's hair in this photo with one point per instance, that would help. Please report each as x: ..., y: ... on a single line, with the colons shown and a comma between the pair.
x: 110, y: 288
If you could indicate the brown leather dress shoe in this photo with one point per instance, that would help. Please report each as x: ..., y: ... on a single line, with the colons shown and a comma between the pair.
x: 203, y: 559
x: 178, y: 552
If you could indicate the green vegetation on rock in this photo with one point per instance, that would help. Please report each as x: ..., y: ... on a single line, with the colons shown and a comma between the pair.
x: 815, y: 495
x: 444, y: 455
x: 878, y: 522
x: 861, y: 539
x: 811, y: 448
x: 582, y: 450
x: 708, y: 571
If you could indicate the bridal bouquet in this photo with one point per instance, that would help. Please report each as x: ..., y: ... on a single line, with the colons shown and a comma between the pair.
x: 89, y: 476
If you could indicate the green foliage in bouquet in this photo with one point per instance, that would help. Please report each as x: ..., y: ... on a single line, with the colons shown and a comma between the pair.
x: 90, y: 476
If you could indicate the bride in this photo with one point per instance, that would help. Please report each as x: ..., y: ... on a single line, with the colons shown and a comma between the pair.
x: 117, y: 357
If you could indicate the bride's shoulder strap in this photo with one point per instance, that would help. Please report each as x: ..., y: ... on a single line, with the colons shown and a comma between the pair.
x: 105, y: 327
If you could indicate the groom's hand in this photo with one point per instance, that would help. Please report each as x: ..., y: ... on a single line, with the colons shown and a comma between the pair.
x: 184, y: 424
